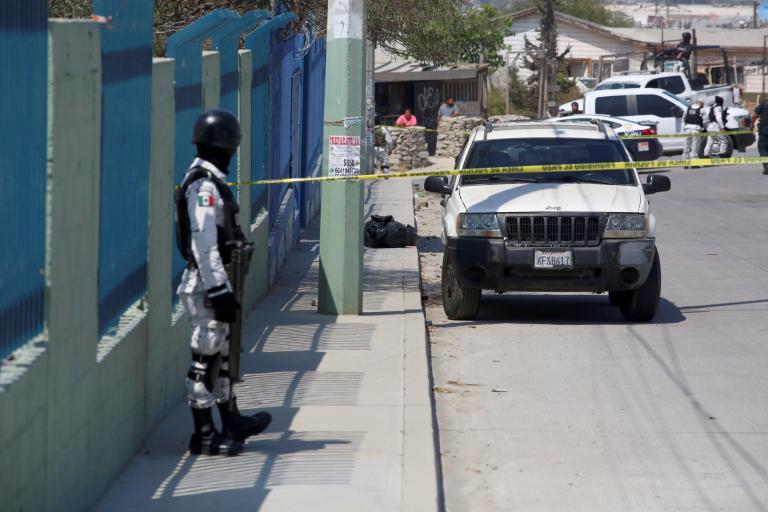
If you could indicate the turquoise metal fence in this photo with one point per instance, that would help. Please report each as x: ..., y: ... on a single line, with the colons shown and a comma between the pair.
x: 260, y: 43
x: 23, y: 101
x: 126, y: 80
x: 186, y: 47
x: 287, y: 112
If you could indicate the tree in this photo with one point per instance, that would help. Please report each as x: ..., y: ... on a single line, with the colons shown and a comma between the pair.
x: 479, y: 36
x: 589, y: 10
x: 429, y: 31
x: 546, y: 52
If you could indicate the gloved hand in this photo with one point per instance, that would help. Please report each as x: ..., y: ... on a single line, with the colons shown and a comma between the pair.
x: 224, y: 307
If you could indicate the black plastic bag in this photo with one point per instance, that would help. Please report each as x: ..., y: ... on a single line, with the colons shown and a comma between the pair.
x: 385, y: 231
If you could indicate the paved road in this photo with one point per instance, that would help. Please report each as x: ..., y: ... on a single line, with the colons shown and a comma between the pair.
x: 591, y: 413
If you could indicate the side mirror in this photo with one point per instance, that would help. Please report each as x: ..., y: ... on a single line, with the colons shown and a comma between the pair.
x: 656, y: 183
x: 437, y: 184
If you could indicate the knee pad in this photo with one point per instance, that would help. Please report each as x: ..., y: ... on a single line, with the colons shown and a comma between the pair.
x: 203, y: 369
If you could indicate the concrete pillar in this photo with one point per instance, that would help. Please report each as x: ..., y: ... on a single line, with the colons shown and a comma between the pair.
x: 211, y: 83
x: 341, y: 208
x: 74, y: 137
x: 167, y: 346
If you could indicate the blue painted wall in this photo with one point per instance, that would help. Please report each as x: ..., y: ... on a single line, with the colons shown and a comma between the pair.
x: 126, y: 78
x: 23, y: 101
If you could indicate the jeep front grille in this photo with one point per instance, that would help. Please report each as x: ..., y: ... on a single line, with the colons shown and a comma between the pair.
x: 554, y: 230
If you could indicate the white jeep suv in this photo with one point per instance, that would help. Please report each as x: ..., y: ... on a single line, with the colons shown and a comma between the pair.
x: 573, y: 231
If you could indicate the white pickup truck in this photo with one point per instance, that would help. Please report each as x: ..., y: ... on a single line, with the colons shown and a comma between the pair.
x: 674, y: 82
x: 665, y: 110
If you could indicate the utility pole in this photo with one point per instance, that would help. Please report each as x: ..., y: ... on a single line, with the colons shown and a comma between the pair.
x: 754, y: 14
x: 341, y: 210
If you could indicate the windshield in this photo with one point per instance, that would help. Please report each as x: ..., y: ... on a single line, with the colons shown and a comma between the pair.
x: 676, y: 98
x: 617, y: 85
x: 547, y: 151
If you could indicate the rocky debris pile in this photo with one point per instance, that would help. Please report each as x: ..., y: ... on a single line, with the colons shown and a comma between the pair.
x: 454, y: 130
x: 410, y: 148
x: 452, y: 134
x: 507, y: 118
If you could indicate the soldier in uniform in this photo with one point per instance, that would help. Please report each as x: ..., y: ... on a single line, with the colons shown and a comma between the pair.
x: 694, y: 124
x: 382, y: 144
x: 207, y: 224
x: 761, y: 113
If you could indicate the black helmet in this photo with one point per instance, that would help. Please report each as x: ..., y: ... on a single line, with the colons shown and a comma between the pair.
x: 217, y: 128
x: 686, y: 36
x: 718, y: 100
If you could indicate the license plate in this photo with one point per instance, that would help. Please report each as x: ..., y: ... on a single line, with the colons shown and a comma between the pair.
x: 643, y: 146
x: 551, y: 259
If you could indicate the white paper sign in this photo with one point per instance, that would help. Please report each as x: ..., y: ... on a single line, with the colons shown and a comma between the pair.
x: 343, y: 155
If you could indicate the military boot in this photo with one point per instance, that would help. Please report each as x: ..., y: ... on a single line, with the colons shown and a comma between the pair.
x: 240, y: 427
x: 206, y: 440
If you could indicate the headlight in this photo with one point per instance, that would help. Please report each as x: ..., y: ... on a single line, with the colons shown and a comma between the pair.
x: 626, y: 225
x: 479, y: 224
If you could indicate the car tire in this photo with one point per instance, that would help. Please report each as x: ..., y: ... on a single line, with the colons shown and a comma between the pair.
x: 728, y: 152
x: 459, y: 302
x: 618, y: 298
x: 642, y: 303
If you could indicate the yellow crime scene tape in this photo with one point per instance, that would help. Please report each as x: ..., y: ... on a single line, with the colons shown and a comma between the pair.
x: 554, y: 168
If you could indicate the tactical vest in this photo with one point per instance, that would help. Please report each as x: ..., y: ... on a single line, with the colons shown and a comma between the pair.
x: 693, y: 116
x: 378, y: 137
x: 229, y: 232
x: 713, y: 118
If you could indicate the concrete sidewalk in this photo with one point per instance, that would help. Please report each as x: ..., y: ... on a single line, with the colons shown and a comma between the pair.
x: 353, y: 423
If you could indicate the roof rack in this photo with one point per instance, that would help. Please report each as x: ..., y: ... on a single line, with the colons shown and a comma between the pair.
x: 638, y: 72
x: 488, y: 129
x: 600, y: 126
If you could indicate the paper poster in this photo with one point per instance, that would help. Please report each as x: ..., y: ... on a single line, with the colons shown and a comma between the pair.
x: 343, y: 155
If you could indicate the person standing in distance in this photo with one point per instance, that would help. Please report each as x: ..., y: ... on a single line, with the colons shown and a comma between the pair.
x: 382, y: 144
x: 206, y: 220
x: 694, y: 124
x: 716, y: 123
x: 761, y: 113
x: 447, y: 109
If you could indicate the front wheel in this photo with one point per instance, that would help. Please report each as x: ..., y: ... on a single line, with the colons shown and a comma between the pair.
x: 459, y: 302
x: 640, y: 305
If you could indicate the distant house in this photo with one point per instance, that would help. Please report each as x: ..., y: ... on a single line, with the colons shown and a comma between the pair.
x: 622, y: 48
x: 402, y: 84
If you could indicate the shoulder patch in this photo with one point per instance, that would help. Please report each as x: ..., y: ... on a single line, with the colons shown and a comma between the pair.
x: 205, y: 199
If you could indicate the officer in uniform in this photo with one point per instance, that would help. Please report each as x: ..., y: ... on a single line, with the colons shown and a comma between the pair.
x: 206, y: 219
x: 382, y: 144
x: 761, y: 113
x: 716, y: 123
x: 694, y: 124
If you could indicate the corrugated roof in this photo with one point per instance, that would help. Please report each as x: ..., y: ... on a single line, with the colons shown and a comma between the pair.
x: 402, y: 71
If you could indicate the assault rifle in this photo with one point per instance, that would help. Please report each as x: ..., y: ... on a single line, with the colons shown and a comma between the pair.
x: 237, y: 269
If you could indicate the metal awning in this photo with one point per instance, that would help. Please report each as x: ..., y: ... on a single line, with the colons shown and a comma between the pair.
x: 404, y: 71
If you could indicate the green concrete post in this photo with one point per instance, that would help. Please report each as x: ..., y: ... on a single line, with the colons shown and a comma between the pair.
x: 74, y: 132
x: 341, y: 208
